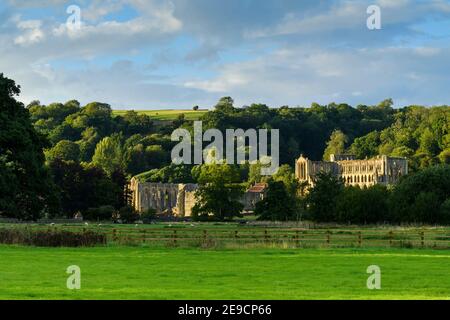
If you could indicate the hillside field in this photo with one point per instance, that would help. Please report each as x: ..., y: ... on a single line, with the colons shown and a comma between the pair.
x: 141, y: 272
x: 167, y: 115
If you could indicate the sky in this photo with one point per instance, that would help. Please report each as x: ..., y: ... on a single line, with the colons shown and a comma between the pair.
x: 163, y: 54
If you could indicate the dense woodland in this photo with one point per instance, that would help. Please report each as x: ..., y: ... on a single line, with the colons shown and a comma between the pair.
x: 63, y: 158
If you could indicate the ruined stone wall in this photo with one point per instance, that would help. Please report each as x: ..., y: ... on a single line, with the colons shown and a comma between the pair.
x: 189, y: 200
x: 363, y: 173
x: 306, y: 170
x: 165, y: 198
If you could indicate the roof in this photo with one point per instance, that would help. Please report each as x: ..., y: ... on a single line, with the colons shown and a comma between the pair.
x: 258, y: 187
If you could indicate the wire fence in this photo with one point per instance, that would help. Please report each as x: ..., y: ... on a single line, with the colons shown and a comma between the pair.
x: 438, y: 238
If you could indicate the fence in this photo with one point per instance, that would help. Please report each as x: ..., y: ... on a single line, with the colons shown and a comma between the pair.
x: 296, y: 237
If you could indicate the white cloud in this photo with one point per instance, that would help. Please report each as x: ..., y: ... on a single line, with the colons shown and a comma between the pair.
x: 427, y: 51
x: 31, y: 32
x: 138, y: 26
x: 393, y: 4
x: 101, y: 8
x: 317, y: 52
x: 302, y: 76
x: 123, y: 85
x: 340, y: 16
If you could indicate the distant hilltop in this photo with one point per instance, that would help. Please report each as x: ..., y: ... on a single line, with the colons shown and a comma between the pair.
x: 167, y: 114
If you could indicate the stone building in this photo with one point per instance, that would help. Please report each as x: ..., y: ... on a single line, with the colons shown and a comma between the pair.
x: 253, y: 195
x: 165, y: 198
x: 382, y: 169
x: 179, y: 199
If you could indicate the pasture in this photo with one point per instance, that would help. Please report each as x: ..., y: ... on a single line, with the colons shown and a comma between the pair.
x: 232, y: 261
x: 115, y: 272
x: 167, y: 115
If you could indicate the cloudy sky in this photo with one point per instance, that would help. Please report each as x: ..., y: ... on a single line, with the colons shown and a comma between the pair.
x: 148, y: 54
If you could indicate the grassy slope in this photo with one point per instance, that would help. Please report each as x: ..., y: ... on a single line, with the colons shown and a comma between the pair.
x: 167, y: 114
x: 146, y: 273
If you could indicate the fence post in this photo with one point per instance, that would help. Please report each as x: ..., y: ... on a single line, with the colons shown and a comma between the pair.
x: 391, y: 237
x: 266, y: 236
x: 143, y: 235
x: 359, y: 238
x: 422, y: 239
x: 236, y: 234
x: 114, y: 235
x: 328, y: 237
x: 297, y: 238
x: 175, y: 237
x: 205, y: 235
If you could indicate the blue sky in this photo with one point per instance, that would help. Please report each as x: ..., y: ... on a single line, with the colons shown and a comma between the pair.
x: 148, y: 54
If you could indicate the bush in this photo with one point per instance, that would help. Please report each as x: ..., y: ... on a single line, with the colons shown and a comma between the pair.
x: 51, y: 238
x: 149, y: 215
x: 127, y: 214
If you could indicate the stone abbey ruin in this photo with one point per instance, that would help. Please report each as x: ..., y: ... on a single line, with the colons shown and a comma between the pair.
x: 178, y: 199
x: 382, y: 170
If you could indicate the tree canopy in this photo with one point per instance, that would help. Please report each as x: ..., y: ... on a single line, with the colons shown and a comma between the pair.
x: 39, y: 142
x: 26, y: 190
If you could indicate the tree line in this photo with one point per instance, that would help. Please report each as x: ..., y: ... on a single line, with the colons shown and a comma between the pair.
x: 63, y: 158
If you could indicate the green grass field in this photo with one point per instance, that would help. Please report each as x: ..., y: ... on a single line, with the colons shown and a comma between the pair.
x: 173, y: 273
x: 167, y: 115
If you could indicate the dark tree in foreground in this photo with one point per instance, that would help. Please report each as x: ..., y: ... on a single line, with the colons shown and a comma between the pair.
x: 83, y: 188
x: 323, y: 198
x: 423, y: 197
x: 26, y: 190
x: 278, y: 204
x: 218, y: 196
x: 363, y: 206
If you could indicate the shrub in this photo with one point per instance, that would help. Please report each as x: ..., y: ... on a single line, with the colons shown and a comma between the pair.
x: 149, y: 215
x: 51, y: 238
x: 128, y: 214
x: 100, y: 213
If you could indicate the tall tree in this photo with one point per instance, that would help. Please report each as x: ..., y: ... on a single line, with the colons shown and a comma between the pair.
x: 85, y: 187
x: 323, y: 198
x: 26, y: 190
x: 336, y: 145
x: 108, y: 154
x: 271, y: 208
x: 218, y: 195
x: 420, y: 197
